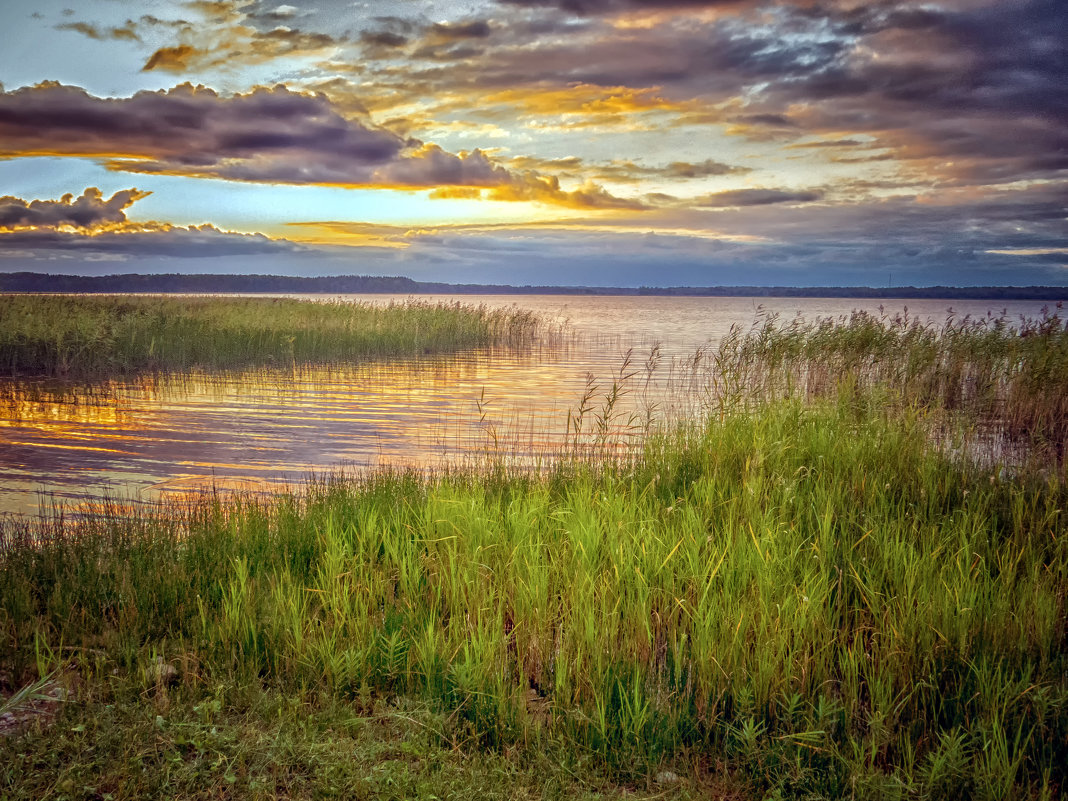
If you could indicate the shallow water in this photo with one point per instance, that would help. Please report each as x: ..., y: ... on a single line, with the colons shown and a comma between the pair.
x: 64, y: 443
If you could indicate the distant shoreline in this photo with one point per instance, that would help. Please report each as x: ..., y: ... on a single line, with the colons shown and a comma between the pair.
x: 29, y: 282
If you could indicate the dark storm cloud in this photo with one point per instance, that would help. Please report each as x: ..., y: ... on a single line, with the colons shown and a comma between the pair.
x: 837, y: 143
x: 438, y: 41
x: 691, y: 60
x: 765, y: 120
x: 957, y: 240
x: 948, y: 94
x: 88, y: 211
x: 994, y: 238
x: 268, y: 135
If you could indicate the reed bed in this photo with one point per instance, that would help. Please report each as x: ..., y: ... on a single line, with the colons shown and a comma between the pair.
x: 807, y: 593
x: 89, y: 336
x: 1004, y: 379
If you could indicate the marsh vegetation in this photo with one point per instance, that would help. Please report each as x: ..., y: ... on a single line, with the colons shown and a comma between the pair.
x: 85, y: 335
x: 809, y: 587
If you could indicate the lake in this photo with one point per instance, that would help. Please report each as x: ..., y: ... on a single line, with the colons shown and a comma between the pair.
x: 153, y: 437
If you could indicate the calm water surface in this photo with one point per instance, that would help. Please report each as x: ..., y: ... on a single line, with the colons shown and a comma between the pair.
x: 150, y: 438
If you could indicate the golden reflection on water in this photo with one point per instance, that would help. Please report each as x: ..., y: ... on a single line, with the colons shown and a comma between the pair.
x: 170, y: 435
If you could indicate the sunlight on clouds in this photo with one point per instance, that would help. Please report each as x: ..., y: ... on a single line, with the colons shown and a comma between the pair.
x: 1030, y: 251
x: 419, y: 209
x: 837, y: 130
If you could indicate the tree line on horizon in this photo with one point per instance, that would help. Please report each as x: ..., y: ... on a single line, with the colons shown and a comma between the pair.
x: 31, y: 282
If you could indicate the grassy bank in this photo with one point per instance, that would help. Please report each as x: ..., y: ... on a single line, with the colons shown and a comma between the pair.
x: 122, y: 742
x: 804, y: 597
x: 810, y: 594
x: 82, y: 336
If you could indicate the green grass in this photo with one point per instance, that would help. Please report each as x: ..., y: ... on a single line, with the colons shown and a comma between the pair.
x: 803, y: 597
x: 250, y: 743
x: 818, y: 599
x: 86, y: 336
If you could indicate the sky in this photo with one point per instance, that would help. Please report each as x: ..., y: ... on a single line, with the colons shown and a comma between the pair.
x: 568, y: 142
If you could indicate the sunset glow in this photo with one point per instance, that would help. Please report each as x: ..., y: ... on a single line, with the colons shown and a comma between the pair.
x: 617, y: 142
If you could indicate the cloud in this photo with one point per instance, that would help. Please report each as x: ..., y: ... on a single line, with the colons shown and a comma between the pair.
x: 968, y: 93
x: 196, y: 241
x: 172, y: 59
x: 598, y: 7
x: 624, y: 171
x: 245, y: 46
x: 960, y: 97
x: 576, y: 105
x: 429, y: 165
x: 440, y: 32
x: 268, y: 135
x: 960, y: 237
x: 87, y: 212
x: 224, y: 35
x: 97, y: 228
x: 913, y: 228
x: 387, y: 39
x: 84, y: 28
x: 283, y: 11
x: 702, y: 169
x: 673, y: 171
x: 753, y: 197
x: 684, y: 59
x: 577, y: 255
x: 533, y: 187
x: 125, y: 32
x: 952, y: 91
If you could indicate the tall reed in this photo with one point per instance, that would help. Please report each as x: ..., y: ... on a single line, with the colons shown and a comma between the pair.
x: 1005, y: 380
x: 81, y: 336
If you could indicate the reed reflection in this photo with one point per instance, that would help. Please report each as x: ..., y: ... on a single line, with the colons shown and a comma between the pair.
x: 252, y: 429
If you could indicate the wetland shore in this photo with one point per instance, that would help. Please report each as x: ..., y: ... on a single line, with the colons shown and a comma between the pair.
x: 800, y: 592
